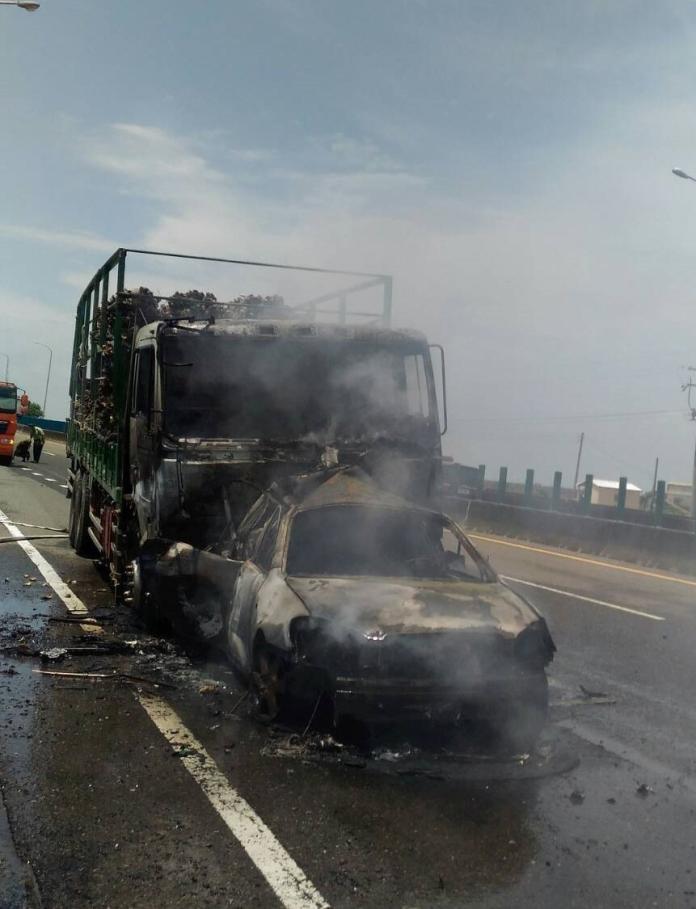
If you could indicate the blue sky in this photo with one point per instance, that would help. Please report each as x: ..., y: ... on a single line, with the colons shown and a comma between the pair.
x: 509, y: 163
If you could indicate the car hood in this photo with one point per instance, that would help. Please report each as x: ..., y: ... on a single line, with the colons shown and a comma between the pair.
x: 414, y: 607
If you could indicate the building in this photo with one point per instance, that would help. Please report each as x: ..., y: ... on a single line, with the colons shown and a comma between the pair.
x: 678, y: 495
x: 605, y: 492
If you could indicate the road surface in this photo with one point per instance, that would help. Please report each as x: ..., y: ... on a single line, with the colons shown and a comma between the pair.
x: 122, y: 794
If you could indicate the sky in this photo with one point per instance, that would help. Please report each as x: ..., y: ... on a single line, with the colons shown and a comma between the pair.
x: 509, y: 164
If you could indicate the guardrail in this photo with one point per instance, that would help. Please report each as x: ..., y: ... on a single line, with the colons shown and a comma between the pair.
x: 58, y: 426
x: 658, y: 547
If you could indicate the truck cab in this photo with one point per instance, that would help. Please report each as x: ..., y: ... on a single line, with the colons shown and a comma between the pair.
x: 218, y: 411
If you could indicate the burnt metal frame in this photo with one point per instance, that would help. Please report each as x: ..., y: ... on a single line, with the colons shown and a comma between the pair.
x: 91, y: 335
x: 118, y: 259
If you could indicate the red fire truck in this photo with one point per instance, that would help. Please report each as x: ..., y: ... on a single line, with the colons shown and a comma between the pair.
x: 8, y: 421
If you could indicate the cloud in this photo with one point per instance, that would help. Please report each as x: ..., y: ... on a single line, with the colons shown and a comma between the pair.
x: 150, y: 155
x: 534, y: 290
x: 74, y: 239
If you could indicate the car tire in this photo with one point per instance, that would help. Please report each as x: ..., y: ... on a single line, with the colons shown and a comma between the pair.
x: 267, y: 683
x: 144, y: 602
x: 6, y: 460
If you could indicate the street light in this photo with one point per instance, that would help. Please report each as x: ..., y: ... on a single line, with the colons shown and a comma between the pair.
x: 7, y: 364
x: 29, y: 6
x: 678, y: 172
x: 48, y: 374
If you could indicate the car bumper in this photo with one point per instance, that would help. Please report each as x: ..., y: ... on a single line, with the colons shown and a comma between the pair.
x: 389, y: 699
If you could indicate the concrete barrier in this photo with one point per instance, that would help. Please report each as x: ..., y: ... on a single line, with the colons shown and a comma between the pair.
x: 657, y: 547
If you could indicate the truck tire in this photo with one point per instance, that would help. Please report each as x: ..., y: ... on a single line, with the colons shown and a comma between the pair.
x: 79, y: 517
x: 74, y: 508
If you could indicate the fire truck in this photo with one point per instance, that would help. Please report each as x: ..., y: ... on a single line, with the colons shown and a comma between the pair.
x: 8, y: 421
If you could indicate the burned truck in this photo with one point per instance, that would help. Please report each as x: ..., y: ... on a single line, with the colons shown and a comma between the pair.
x: 183, y: 409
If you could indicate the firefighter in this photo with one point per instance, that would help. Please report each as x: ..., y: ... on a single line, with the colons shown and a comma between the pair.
x: 38, y: 438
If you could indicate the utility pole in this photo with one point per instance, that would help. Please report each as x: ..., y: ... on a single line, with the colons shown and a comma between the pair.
x: 577, y: 465
x: 654, y: 488
x: 687, y: 388
x: 48, y: 374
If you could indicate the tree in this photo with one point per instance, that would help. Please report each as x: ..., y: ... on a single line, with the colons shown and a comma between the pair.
x: 35, y: 410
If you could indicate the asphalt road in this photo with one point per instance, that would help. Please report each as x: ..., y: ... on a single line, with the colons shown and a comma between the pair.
x: 124, y: 794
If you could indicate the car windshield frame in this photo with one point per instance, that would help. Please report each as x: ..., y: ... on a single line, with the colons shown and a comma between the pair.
x: 487, y: 574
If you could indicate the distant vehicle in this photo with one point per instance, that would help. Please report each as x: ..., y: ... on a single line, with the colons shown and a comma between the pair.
x: 184, y: 408
x: 385, y: 608
x: 8, y: 421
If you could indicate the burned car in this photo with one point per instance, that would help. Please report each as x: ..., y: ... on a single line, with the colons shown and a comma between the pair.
x: 383, y: 609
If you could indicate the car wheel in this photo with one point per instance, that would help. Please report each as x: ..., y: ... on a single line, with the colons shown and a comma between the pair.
x: 267, y: 682
x: 521, y: 720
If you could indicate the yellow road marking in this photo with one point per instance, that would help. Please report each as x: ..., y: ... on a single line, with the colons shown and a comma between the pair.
x: 574, y: 558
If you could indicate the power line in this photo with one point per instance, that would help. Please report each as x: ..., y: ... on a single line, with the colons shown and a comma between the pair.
x: 570, y: 417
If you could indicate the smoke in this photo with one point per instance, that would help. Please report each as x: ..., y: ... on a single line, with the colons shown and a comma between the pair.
x: 311, y: 390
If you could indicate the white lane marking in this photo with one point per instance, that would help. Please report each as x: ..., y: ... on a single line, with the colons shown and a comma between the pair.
x: 286, y: 878
x: 50, y: 480
x: 70, y: 600
x: 63, y: 485
x: 292, y: 887
x: 35, y: 474
x: 50, y: 454
x: 574, y: 558
x: 578, y: 596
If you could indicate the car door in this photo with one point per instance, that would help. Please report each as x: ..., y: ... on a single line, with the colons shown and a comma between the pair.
x: 255, y: 542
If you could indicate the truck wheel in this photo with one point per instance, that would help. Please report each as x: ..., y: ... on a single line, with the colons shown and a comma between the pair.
x: 79, y: 518
x: 74, y: 509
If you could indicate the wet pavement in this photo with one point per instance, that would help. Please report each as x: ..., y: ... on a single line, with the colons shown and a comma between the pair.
x: 107, y: 810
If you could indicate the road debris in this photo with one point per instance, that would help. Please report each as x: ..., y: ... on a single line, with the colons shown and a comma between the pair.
x: 105, y: 676
x: 587, y: 697
x: 211, y: 687
x: 299, y: 746
x: 643, y: 790
x: 33, y: 537
x: 53, y: 655
x: 576, y: 797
